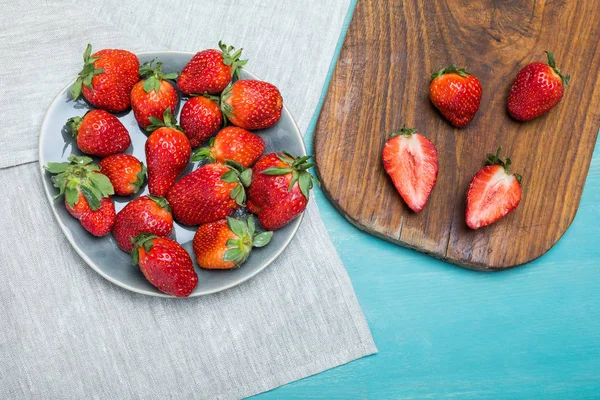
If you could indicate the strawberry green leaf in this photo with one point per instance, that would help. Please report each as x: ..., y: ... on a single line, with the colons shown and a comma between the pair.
x: 240, y: 198
x: 56, y: 168
x: 161, y: 201
x: 76, y: 89
x: 277, y: 171
x: 246, y: 177
x: 140, y: 178
x: 172, y: 75
x: 203, y: 153
x: 233, y: 254
x: 251, y: 225
x: 305, y: 183
x: 103, y: 184
x: 91, y: 197
x: 71, y: 195
x: 262, y: 239
x: 229, y: 176
x: 238, y: 227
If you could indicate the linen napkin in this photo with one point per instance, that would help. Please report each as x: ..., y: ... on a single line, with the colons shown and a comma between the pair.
x: 67, y: 332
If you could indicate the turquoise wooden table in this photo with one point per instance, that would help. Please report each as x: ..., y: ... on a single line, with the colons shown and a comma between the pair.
x: 443, y: 331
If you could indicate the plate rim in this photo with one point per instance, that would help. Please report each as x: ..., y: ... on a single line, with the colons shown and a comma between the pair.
x: 84, y: 256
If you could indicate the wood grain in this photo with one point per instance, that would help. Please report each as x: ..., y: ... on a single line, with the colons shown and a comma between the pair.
x: 381, y: 81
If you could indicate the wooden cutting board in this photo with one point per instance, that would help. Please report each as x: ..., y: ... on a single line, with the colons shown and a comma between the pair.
x: 381, y: 81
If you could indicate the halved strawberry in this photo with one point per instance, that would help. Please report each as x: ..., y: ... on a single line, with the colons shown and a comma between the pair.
x: 410, y: 159
x: 493, y: 192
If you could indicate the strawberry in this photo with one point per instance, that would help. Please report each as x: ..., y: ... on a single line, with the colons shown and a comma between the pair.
x: 493, y: 192
x: 252, y: 104
x: 410, y: 159
x: 232, y: 143
x: 107, y: 78
x: 210, y: 71
x: 146, y: 214
x: 227, y: 243
x: 99, y: 133
x: 200, y: 119
x: 165, y: 264
x: 210, y: 193
x: 126, y: 173
x: 279, y: 189
x: 456, y: 93
x: 537, y: 88
x: 150, y: 97
x: 167, y: 154
x: 87, y: 193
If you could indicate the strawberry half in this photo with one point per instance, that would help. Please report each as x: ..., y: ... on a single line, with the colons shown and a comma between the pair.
x: 107, y: 78
x: 87, y: 193
x: 252, y: 104
x: 456, y: 93
x: 537, y: 88
x: 227, y: 243
x: 493, y: 192
x: 411, y: 160
x: 99, y: 133
x: 232, y: 143
x: 165, y: 264
x: 152, y: 96
x: 126, y: 173
x: 200, y: 119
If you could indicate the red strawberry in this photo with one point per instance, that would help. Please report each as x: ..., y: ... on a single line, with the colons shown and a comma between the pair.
x: 232, y: 143
x: 152, y: 96
x: 537, y: 88
x: 210, y: 71
x: 252, y: 104
x: 107, y: 78
x: 87, y: 193
x: 227, y: 243
x: 99, y: 133
x: 165, y: 264
x: 410, y: 159
x: 493, y: 192
x: 200, y: 119
x: 456, y: 93
x: 146, y: 214
x: 167, y: 154
x: 279, y: 189
x: 210, y: 193
x: 126, y: 173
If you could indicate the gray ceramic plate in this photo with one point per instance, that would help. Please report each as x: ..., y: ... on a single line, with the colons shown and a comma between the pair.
x: 102, y: 254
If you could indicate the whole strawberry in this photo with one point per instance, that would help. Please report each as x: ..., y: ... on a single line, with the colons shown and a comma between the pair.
x: 410, y: 159
x: 150, y: 97
x: 87, y: 193
x: 210, y: 71
x: 107, y: 78
x: 493, y: 192
x: 146, y: 214
x: 280, y: 188
x: 99, y: 133
x: 200, y: 119
x: 167, y: 154
x: 232, y: 143
x: 456, y: 93
x: 126, y: 173
x: 537, y: 88
x: 210, y: 193
x: 165, y: 264
x: 227, y: 243
x: 252, y: 104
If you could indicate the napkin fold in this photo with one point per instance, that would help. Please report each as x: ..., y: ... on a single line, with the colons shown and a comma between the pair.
x: 68, y: 333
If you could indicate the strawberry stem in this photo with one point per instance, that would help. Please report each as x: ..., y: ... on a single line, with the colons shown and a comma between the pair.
x: 232, y: 60
x: 552, y: 64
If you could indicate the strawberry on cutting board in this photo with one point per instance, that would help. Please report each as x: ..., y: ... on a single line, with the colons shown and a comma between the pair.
x: 151, y: 96
x: 280, y: 188
x: 126, y: 173
x: 87, y: 193
x: 232, y: 143
x: 107, y: 78
x: 227, y: 243
x: 252, y: 104
x: 210, y: 193
x: 493, y: 193
x: 456, y: 93
x: 146, y: 214
x: 200, y: 119
x: 168, y: 152
x: 210, y: 71
x: 165, y: 264
x: 537, y: 88
x: 99, y: 133
x: 411, y: 160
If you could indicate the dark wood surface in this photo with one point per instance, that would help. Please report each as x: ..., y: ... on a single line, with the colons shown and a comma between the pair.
x: 381, y: 81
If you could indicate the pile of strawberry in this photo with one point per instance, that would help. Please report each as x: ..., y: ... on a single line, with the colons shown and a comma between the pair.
x: 411, y: 159
x: 220, y: 109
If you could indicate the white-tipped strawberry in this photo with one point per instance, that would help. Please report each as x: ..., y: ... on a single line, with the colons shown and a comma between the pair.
x: 410, y: 159
x: 493, y: 192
